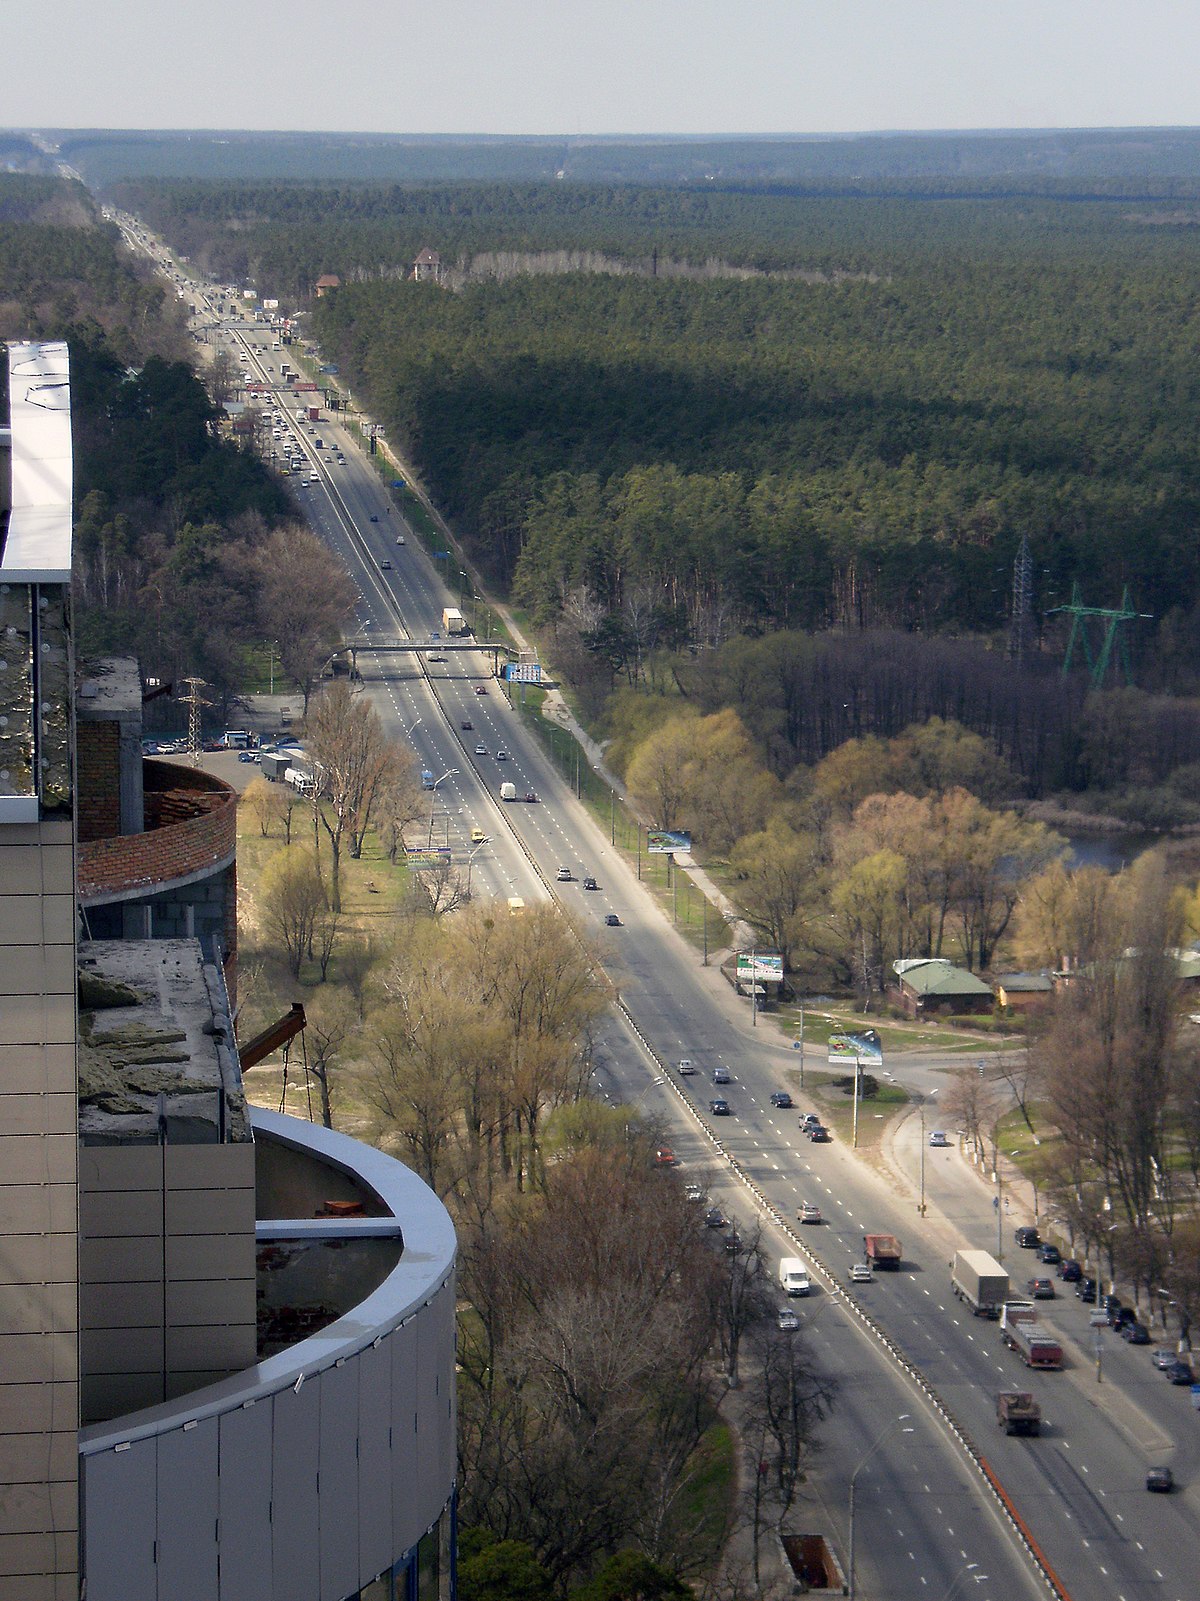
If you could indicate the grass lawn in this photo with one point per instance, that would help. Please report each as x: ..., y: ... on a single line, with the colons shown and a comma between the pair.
x: 832, y: 1016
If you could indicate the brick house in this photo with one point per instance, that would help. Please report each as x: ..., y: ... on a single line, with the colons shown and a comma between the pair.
x: 1023, y: 992
x: 927, y: 986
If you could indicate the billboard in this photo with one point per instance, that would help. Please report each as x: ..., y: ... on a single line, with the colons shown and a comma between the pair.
x: 523, y: 672
x: 762, y: 966
x: 665, y: 841
x: 433, y: 856
x: 865, y: 1048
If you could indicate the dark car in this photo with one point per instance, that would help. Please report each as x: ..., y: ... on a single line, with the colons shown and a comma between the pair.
x: 1181, y: 1373
x: 590, y: 883
x: 374, y: 519
x: 719, y: 1107
x: 1028, y: 1238
x: 1135, y: 1333
x: 467, y: 726
x: 531, y: 797
x: 782, y: 1100
x: 1040, y: 1289
x: 385, y: 566
x: 714, y: 1218
x: 1160, y: 1479
x: 819, y: 1134
x: 612, y: 920
x: 1069, y: 1270
x: 1085, y: 1289
x: 1050, y: 1254
x: 733, y: 1242
x: 1122, y: 1317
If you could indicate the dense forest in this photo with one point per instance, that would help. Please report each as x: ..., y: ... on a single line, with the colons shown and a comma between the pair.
x: 170, y: 515
x: 1016, y: 160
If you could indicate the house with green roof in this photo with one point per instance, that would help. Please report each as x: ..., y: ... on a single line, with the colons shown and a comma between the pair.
x: 932, y: 986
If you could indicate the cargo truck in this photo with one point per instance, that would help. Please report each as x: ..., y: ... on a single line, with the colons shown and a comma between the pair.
x: 453, y: 621
x: 882, y: 1251
x: 1036, y: 1349
x: 980, y: 1281
x: 1018, y: 1413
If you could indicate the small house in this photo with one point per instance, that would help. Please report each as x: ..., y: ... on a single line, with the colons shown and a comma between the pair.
x: 326, y: 282
x: 927, y: 986
x: 427, y: 268
x: 1023, y: 992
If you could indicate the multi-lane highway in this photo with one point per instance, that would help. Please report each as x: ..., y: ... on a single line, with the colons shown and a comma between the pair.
x: 926, y: 1523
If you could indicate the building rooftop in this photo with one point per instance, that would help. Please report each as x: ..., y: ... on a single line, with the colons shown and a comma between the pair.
x: 110, y: 688
x: 1025, y: 983
x: 157, y: 1061
x: 936, y: 976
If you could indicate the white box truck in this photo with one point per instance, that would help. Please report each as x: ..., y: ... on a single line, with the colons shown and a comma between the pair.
x: 453, y: 621
x: 980, y: 1281
x: 793, y: 1276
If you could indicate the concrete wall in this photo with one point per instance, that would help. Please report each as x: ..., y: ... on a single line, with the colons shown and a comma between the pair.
x: 166, y: 1272
x: 38, y: 1119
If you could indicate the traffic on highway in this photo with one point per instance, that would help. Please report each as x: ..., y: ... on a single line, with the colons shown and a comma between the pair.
x: 949, y: 1499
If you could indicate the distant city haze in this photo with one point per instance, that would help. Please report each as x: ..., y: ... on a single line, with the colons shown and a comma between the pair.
x: 575, y: 67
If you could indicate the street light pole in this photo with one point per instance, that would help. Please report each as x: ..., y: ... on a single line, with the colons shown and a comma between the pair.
x: 921, y: 1208
x: 894, y: 1424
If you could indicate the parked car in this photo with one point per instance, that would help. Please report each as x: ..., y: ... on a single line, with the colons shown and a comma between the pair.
x: 810, y: 1213
x: 819, y: 1134
x: 1086, y: 1290
x: 1069, y: 1270
x: 714, y: 1218
x: 686, y: 1066
x: 733, y: 1242
x: 809, y: 1120
x: 938, y: 1139
x: 611, y: 920
x: 860, y: 1273
x: 1164, y: 1357
x: 1097, y: 1318
x: 719, y: 1107
x: 782, y: 1100
x: 1028, y: 1238
x: 1040, y: 1289
x: 1135, y: 1333
x: 789, y: 1321
x: 1050, y: 1254
x: 1121, y: 1317
x: 722, y: 1075
x: 1181, y: 1373
x: 1160, y: 1479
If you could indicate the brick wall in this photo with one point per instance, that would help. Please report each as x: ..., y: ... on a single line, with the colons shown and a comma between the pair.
x: 98, y: 779
x: 142, y: 861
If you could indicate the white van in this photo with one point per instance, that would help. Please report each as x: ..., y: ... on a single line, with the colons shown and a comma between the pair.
x: 793, y: 1276
x: 508, y: 792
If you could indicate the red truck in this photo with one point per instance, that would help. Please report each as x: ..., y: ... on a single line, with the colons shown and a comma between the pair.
x: 1036, y: 1349
x: 882, y: 1252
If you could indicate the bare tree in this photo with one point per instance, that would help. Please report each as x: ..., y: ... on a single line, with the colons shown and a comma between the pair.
x: 291, y: 899
x: 305, y: 599
x: 356, y: 763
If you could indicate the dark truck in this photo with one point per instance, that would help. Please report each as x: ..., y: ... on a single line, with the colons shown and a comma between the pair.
x: 1036, y: 1350
x: 1018, y: 1413
x: 882, y: 1251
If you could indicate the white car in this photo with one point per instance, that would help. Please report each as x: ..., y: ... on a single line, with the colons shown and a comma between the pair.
x: 860, y: 1273
x: 686, y: 1066
x: 938, y: 1139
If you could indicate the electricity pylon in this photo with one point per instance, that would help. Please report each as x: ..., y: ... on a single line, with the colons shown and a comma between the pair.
x: 1098, y: 663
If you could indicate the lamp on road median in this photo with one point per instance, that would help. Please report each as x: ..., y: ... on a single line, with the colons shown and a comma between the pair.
x: 892, y: 1426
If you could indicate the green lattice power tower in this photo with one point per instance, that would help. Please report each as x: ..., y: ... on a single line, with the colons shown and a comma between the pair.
x: 1115, y: 636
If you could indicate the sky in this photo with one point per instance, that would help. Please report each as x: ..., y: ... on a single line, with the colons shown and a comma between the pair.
x: 600, y: 66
